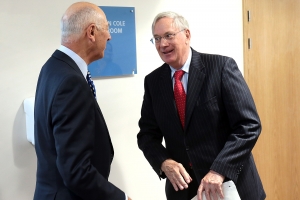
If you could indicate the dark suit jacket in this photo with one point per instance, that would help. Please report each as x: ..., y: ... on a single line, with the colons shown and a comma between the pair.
x: 72, y: 143
x: 222, y: 124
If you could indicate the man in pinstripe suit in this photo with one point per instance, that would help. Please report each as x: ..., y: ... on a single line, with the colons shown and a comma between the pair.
x: 221, y: 124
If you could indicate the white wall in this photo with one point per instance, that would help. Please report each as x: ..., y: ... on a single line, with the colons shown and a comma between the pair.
x: 28, y: 36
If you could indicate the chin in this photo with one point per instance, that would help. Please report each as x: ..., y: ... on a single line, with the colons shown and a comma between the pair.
x: 168, y: 61
x: 100, y: 56
x: 168, y: 58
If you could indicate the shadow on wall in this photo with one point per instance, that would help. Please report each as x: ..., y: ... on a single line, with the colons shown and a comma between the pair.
x: 24, y: 156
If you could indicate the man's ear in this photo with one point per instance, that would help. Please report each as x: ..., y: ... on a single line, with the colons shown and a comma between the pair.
x: 188, y: 36
x: 188, y: 33
x: 91, y: 31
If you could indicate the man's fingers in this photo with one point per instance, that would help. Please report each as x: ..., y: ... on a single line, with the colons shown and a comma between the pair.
x: 199, y: 192
x: 212, y: 191
x: 214, y: 195
x: 215, y: 190
x: 211, y: 184
x: 177, y: 174
x: 175, y: 186
x: 177, y: 181
x: 185, y: 175
x: 207, y: 194
x: 220, y: 192
x: 181, y: 183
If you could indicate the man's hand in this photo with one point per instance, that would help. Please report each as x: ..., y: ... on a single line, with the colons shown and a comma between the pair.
x: 129, y: 198
x: 211, y: 184
x: 176, y: 174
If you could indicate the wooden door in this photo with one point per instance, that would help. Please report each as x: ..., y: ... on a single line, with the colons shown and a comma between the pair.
x: 272, y: 71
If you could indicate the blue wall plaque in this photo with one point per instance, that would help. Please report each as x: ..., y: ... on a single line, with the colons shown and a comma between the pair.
x: 120, y: 53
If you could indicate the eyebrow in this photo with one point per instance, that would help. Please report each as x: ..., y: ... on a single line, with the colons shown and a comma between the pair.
x: 166, y: 33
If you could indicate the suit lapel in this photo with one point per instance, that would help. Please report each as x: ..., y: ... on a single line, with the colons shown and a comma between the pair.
x: 166, y: 89
x: 195, y: 82
x: 65, y: 58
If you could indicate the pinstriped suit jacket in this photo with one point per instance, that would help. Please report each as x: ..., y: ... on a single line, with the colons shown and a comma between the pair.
x: 222, y: 124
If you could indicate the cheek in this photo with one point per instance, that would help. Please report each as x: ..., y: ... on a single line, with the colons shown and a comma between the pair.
x: 157, y: 47
x: 103, y: 43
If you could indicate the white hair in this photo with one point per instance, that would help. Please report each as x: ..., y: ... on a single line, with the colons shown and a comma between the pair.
x: 178, y: 21
x: 74, y: 24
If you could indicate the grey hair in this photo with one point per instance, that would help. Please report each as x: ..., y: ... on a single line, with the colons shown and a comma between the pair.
x: 178, y: 21
x: 74, y: 24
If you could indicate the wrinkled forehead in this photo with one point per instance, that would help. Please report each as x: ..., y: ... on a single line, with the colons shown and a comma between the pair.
x: 164, y: 25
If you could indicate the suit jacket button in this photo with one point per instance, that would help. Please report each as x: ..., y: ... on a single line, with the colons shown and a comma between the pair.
x: 187, y: 148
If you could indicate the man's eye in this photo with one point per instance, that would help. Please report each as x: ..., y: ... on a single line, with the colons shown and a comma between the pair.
x: 156, y: 38
x: 169, y: 36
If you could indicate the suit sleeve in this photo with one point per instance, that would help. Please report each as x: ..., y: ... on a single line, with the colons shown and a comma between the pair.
x: 244, y: 122
x: 73, y: 118
x: 150, y: 136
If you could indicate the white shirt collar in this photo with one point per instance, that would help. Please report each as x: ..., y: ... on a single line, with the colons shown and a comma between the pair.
x: 77, y: 59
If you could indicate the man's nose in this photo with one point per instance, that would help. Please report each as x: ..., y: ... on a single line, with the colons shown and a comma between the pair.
x: 109, y: 37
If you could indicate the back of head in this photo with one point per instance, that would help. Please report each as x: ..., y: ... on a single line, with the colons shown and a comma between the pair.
x: 178, y: 21
x: 76, y: 18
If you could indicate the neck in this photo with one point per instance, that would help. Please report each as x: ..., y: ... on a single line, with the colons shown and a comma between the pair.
x: 79, y: 49
x: 182, y: 60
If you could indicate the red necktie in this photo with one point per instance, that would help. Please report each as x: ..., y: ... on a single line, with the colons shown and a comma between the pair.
x: 180, y: 96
